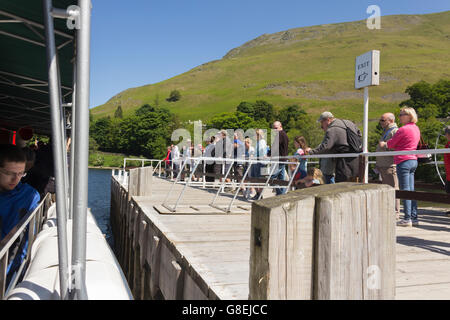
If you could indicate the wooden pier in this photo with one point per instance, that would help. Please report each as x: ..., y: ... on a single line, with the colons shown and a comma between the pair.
x: 206, y: 255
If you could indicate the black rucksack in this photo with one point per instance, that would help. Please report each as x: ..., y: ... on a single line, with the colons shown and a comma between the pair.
x: 354, y: 140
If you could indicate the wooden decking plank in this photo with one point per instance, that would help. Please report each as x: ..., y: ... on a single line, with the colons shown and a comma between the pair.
x: 205, y: 257
x: 232, y: 291
x: 219, y: 273
x: 213, y: 236
x: 440, y: 291
x: 422, y: 272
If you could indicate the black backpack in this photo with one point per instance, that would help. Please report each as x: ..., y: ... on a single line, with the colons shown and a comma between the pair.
x: 354, y: 139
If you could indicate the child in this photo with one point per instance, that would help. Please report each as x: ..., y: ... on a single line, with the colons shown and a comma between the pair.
x: 313, y: 177
x: 447, y: 164
x: 292, y: 166
x: 301, y: 146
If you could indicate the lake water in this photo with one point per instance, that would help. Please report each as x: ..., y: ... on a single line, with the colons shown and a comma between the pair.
x: 99, y: 198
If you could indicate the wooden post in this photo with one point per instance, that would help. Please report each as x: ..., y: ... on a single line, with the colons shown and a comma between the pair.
x: 133, y: 183
x: 281, y: 248
x: 143, y: 242
x: 155, y: 261
x: 145, y: 181
x: 355, y: 243
x: 327, y: 242
x: 362, y: 169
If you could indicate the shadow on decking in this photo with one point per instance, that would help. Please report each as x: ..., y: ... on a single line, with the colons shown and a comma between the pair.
x: 430, y: 245
x: 430, y: 220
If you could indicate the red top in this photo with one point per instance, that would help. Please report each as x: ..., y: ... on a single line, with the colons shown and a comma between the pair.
x: 447, y: 162
x: 167, y: 158
x: 405, y: 139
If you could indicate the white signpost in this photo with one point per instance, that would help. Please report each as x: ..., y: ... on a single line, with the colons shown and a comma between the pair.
x: 367, y: 73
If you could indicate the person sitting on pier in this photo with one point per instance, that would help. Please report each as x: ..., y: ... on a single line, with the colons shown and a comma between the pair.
x: 313, y: 177
x: 17, y: 199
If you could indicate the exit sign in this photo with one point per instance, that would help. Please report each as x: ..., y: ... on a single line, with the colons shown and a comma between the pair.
x: 367, y: 69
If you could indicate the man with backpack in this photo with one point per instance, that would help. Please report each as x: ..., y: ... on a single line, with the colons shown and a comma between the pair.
x: 341, y: 136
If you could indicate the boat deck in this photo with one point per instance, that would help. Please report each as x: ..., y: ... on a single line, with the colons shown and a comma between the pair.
x: 217, y: 246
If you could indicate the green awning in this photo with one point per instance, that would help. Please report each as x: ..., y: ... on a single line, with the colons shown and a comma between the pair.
x: 24, y: 99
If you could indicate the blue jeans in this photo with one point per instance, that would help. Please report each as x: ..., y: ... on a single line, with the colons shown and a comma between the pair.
x: 329, y: 178
x: 405, y: 174
x: 279, y: 174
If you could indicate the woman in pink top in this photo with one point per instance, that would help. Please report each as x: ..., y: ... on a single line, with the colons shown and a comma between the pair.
x: 406, y: 139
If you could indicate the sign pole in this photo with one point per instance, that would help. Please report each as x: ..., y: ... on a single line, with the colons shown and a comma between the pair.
x: 367, y: 73
x: 366, y: 134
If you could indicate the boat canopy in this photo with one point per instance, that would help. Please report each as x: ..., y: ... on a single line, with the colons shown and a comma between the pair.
x: 24, y: 93
x: 44, y: 71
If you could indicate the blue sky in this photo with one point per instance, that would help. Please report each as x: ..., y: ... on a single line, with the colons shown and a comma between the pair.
x: 140, y: 42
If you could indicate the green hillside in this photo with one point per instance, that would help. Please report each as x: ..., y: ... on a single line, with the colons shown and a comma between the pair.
x: 312, y: 67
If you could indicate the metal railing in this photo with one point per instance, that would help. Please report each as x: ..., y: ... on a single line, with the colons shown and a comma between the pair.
x: 244, y: 181
x: 157, y: 167
x: 32, y: 224
x: 227, y: 164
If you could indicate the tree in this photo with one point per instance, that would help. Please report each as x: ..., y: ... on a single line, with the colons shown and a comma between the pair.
x: 143, y: 110
x: 147, y: 132
x: 442, y: 93
x: 174, y: 96
x: 425, y: 96
x: 263, y: 110
x: 93, y: 145
x: 229, y: 120
x: 246, y: 107
x: 118, y: 113
x: 100, y: 131
x: 289, y: 114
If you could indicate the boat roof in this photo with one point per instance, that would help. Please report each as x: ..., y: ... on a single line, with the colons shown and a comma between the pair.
x: 24, y: 98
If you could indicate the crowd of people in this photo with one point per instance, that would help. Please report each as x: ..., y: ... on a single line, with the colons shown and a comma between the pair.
x: 340, y: 136
x: 26, y: 169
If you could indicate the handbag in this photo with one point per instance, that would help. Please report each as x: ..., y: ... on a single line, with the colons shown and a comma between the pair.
x: 423, y: 158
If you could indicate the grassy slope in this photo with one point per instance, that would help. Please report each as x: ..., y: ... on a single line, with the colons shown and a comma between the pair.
x: 313, y: 68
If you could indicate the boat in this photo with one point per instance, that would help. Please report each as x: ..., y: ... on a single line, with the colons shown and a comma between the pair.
x: 44, y: 84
